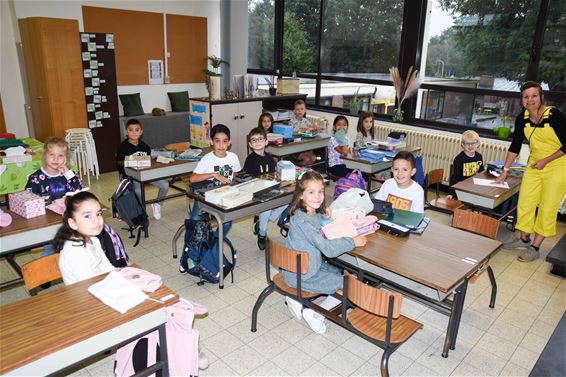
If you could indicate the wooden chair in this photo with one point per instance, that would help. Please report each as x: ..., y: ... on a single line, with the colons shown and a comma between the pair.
x: 434, y: 178
x: 41, y: 271
x: 483, y: 225
x: 375, y: 316
x: 290, y: 260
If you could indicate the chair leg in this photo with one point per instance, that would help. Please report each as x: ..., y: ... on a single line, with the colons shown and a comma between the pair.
x: 493, y: 287
x: 385, y: 363
x: 177, y: 235
x: 266, y: 292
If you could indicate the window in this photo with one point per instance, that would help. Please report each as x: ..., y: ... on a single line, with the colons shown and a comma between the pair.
x: 261, y: 31
x: 301, y: 25
x: 552, y: 66
x: 361, y: 39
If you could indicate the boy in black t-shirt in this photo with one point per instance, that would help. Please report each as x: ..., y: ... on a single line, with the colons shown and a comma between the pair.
x: 259, y: 162
x: 469, y: 161
x: 133, y: 145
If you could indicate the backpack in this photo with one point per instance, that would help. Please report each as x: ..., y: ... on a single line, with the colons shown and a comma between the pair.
x: 127, y: 206
x: 352, y: 180
x: 200, y: 252
x: 113, y: 247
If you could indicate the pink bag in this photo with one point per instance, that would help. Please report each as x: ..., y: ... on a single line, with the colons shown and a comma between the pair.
x: 144, y: 280
x: 182, y: 343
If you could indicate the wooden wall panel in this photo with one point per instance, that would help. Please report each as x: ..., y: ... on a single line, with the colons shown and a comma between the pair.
x: 138, y: 38
x: 2, y: 121
x: 187, y: 43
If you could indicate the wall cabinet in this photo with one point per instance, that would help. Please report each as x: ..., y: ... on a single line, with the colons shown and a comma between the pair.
x: 52, y: 55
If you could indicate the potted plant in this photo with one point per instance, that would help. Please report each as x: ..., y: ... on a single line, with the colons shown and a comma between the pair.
x: 355, y: 104
x: 403, y: 90
x: 213, y: 76
x: 271, y: 84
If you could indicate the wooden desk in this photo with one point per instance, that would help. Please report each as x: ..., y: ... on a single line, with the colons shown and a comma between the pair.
x: 223, y: 214
x: 25, y: 234
x: 485, y: 196
x: 426, y: 267
x: 47, y: 333
x: 159, y: 171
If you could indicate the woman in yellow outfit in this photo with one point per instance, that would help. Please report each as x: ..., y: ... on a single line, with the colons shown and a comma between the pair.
x: 544, y: 181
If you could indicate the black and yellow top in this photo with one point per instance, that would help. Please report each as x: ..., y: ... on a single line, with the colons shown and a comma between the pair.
x: 550, y: 132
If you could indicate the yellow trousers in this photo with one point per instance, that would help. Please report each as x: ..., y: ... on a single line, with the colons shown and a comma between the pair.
x: 543, y: 189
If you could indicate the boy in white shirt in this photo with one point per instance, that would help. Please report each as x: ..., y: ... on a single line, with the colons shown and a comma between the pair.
x: 401, y: 191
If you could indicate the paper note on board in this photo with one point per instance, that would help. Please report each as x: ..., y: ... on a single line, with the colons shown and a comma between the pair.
x: 490, y: 183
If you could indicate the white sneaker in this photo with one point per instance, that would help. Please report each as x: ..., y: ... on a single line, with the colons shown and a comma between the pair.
x: 295, y: 307
x: 315, y: 321
x: 156, y: 207
x: 202, y: 361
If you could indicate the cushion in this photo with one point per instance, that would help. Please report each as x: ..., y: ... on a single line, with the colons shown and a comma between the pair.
x: 179, y: 101
x: 131, y: 104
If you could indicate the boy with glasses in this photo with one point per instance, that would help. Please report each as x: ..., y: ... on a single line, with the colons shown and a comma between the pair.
x: 259, y: 162
x: 469, y: 161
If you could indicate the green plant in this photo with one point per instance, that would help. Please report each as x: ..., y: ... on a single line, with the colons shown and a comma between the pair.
x: 215, y: 62
x: 356, y: 103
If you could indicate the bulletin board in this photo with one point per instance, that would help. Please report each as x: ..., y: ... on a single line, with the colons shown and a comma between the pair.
x: 199, y: 123
x: 187, y: 44
x: 139, y: 37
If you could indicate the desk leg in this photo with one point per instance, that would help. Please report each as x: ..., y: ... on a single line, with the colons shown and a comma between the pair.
x: 163, y: 351
x: 220, y: 250
x: 455, y: 316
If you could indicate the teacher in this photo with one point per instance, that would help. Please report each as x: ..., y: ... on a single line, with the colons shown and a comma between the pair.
x: 544, y: 181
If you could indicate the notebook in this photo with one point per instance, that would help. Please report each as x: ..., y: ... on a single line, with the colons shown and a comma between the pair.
x: 407, y: 219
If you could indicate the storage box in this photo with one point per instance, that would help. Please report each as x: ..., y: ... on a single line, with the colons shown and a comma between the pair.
x: 274, y: 139
x: 215, y: 196
x: 236, y: 198
x: 162, y: 152
x: 26, y: 204
x: 137, y: 162
x: 258, y: 185
x: 287, y: 86
x: 285, y: 171
x: 283, y: 129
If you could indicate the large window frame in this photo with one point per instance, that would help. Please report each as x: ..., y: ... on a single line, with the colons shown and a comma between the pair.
x: 410, y: 52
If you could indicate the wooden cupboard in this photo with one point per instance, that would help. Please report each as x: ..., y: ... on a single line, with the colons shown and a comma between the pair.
x: 52, y: 56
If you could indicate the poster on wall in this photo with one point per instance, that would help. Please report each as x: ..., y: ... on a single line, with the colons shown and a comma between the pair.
x: 199, y: 123
x: 155, y: 71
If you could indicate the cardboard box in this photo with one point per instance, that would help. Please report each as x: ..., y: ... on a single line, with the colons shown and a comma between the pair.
x: 285, y: 171
x: 137, y: 162
x: 287, y: 86
x: 26, y: 204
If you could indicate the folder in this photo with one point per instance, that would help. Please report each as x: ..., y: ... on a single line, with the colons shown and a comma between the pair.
x: 407, y: 219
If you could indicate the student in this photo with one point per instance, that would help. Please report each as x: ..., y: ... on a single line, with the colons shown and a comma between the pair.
x: 82, y: 256
x: 308, y: 209
x: 366, y: 131
x: 401, y: 191
x: 300, y: 123
x: 338, y: 146
x: 266, y: 122
x: 219, y: 165
x: 54, y: 179
x: 134, y: 145
x: 259, y: 162
x: 469, y: 161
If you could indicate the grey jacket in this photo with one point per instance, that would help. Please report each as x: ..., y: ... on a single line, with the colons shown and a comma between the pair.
x: 304, y: 235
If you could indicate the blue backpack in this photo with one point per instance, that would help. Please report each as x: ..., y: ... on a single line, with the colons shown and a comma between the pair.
x: 200, y: 252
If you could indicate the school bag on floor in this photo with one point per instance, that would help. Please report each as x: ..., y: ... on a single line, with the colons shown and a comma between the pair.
x: 127, y: 206
x: 352, y: 180
x: 200, y: 252
x: 182, y: 344
x: 113, y: 247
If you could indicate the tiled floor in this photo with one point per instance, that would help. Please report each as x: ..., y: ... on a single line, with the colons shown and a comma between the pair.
x: 506, y: 340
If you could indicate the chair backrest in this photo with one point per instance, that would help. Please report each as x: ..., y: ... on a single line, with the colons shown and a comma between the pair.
x: 286, y: 259
x: 371, y: 299
x: 434, y: 177
x: 40, y: 271
x: 475, y: 222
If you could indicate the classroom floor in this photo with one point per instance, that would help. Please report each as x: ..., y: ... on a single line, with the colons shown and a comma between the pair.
x: 506, y: 340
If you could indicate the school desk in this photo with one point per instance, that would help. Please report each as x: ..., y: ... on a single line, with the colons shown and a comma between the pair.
x: 25, y: 234
x: 485, y: 197
x: 61, y: 327
x: 223, y: 214
x: 289, y: 148
x: 427, y: 268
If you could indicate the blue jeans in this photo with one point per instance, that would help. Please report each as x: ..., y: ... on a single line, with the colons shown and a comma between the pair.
x: 264, y: 218
x: 195, y: 215
x: 161, y: 184
x: 48, y: 250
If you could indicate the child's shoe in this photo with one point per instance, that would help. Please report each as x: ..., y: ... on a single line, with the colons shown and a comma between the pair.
x: 202, y: 360
x: 255, y: 225
x: 315, y: 321
x: 156, y: 207
x: 261, y: 242
x: 295, y: 307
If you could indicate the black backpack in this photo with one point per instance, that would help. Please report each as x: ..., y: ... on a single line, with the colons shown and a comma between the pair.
x: 127, y: 206
x: 113, y: 247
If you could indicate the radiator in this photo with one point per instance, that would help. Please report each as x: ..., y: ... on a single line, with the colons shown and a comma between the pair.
x: 438, y: 150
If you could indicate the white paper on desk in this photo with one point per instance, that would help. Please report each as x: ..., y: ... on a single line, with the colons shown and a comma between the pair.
x: 117, y: 292
x: 490, y: 183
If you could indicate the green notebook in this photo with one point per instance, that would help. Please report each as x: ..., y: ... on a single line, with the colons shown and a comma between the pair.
x: 405, y: 218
